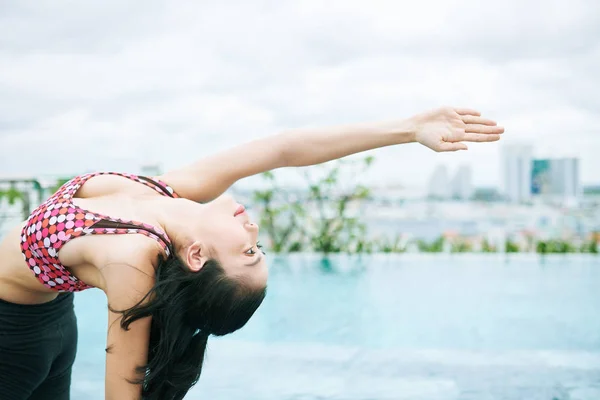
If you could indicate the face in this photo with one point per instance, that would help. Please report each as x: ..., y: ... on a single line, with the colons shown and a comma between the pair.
x: 227, y: 234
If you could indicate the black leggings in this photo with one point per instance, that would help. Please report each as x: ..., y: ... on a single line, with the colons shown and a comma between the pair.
x: 38, y: 344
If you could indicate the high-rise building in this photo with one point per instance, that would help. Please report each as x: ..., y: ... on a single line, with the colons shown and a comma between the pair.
x: 558, y: 178
x: 516, y: 171
x: 540, y: 177
x: 567, y: 181
x: 439, y: 184
x: 462, y: 184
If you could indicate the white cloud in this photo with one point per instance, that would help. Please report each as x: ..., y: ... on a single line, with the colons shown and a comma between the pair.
x: 174, y: 81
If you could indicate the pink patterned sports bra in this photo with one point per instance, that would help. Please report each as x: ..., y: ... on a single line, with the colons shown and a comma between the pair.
x: 58, y: 220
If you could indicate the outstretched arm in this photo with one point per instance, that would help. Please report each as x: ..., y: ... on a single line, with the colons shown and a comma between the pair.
x: 441, y: 130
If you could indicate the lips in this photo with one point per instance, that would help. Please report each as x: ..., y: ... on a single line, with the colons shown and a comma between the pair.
x: 240, y: 210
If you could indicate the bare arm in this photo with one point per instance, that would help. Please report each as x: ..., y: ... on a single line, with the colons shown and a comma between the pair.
x: 440, y: 130
x: 126, y: 350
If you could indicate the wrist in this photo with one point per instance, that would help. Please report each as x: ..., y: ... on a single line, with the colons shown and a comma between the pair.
x: 403, y: 131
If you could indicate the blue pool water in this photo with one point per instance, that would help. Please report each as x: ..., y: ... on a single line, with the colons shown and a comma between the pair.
x: 469, y: 327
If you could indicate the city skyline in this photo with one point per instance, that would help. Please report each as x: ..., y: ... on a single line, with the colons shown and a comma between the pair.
x: 453, y: 176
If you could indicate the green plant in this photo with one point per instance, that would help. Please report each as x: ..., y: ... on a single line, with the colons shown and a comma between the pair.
x: 386, y: 245
x: 280, y: 217
x: 333, y: 231
x: 327, y: 228
x: 364, y: 246
x: 590, y: 247
x: 541, y: 247
x: 12, y: 195
x: 486, y: 247
x: 511, y: 247
x: 437, y: 246
x: 461, y: 246
x: 555, y: 246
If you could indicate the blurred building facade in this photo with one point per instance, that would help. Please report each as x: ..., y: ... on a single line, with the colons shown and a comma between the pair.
x: 440, y: 187
x: 462, y: 183
x: 516, y: 172
x: 556, y: 178
x: 550, y: 179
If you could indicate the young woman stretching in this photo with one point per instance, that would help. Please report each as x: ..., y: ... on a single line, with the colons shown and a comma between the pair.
x: 177, y: 259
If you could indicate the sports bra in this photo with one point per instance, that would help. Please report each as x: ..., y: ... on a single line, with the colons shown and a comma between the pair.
x: 58, y: 220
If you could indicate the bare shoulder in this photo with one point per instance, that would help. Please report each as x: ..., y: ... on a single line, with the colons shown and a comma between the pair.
x: 128, y: 277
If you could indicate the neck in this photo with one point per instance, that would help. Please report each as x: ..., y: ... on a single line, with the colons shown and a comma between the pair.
x: 176, y: 217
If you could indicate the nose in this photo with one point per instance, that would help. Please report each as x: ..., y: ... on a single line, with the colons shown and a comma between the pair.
x: 252, y: 227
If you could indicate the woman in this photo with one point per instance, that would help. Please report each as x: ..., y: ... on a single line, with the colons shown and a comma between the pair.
x: 178, y: 260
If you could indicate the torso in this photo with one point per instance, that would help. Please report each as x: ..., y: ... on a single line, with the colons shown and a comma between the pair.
x: 86, y: 256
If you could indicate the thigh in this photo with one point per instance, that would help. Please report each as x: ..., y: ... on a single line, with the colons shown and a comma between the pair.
x: 33, y: 346
x: 25, y: 362
x: 54, y: 388
x: 57, y: 384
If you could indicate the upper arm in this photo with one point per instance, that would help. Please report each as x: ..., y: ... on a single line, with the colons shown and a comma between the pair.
x: 126, y: 349
x: 209, y: 177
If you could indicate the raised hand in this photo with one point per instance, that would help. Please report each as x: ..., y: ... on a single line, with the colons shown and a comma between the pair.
x: 446, y: 129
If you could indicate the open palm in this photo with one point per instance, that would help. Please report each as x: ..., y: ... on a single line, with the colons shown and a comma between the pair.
x: 446, y: 129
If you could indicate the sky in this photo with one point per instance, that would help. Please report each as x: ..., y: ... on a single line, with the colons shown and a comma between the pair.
x: 111, y: 85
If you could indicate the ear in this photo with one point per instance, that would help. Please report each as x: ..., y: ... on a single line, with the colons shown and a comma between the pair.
x: 196, y: 256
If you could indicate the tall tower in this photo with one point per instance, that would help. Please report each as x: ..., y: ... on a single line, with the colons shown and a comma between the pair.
x: 439, y: 184
x: 516, y: 171
x: 462, y: 184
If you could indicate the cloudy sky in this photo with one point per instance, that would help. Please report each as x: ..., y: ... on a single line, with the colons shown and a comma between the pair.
x: 112, y: 84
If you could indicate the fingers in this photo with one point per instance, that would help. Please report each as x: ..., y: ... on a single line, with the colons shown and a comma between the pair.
x: 452, y: 146
x: 487, y: 129
x: 467, y: 111
x: 470, y: 119
x: 481, y: 137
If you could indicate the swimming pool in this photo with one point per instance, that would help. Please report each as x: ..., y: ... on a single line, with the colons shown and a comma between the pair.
x: 398, y: 327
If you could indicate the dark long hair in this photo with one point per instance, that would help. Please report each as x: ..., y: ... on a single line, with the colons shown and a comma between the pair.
x: 186, y: 308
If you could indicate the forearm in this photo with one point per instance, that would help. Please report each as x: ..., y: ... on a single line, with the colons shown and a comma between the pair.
x: 303, y: 147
